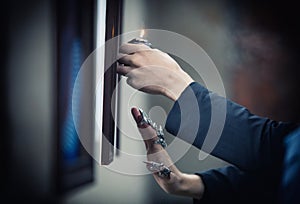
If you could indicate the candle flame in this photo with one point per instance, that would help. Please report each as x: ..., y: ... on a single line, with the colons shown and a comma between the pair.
x: 142, y: 33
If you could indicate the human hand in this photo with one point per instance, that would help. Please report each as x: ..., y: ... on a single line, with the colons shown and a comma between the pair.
x: 152, y: 71
x: 177, y: 182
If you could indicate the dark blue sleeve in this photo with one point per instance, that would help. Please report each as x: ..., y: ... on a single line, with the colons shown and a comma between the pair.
x: 290, y: 184
x: 234, y: 134
x: 231, y: 185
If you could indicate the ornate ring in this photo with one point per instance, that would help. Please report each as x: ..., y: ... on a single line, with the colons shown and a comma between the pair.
x: 159, y: 168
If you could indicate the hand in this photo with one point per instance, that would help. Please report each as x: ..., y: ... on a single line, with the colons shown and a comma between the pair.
x: 177, y: 183
x: 152, y: 71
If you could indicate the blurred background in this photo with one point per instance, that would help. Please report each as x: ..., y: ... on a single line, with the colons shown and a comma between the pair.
x: 254, y: 45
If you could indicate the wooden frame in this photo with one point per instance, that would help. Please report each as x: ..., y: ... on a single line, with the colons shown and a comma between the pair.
x: 110, y: 131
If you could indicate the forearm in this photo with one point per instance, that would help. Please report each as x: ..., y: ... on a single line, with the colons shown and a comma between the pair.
x: 246, y: 141
x: 191, y: 186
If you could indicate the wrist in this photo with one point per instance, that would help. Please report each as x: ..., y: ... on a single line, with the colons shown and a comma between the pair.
x: 191, y: 185
x: 177, y: 85
x: 153, y: 147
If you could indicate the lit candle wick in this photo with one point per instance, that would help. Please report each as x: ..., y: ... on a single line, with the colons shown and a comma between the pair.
x: 142, y: 33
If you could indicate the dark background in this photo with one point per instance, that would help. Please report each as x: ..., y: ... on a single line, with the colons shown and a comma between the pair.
x: 39, y: 65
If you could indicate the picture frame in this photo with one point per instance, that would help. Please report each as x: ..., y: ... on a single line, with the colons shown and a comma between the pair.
x: 110, y: 136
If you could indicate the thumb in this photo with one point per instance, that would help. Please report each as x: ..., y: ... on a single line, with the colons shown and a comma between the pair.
x: 136, y: 115
x: 138, y: 118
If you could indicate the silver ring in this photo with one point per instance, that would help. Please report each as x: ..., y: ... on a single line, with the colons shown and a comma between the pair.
x: 161, y: 141
x: 159, y: 168
x: 165, y: 172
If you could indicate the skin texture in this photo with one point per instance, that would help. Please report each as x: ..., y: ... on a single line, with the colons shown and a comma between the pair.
x: 177, y: 183
x: 155, y: 72
x: 152, y: 71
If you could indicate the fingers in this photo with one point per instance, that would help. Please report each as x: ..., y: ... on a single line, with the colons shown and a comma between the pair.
x: 125, y: 59
x: 132, y: 59
x: 126, y: 55
x: 125, y: 64
x: 136, y: 115
x: 138, y: 118
x: 123, y: 70
x: 147, y: 132
x: 157, y: 154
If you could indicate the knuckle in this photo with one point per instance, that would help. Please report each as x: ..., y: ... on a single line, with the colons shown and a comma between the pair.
x: 131, y: 60
x: 129, y: 80
x: 136, y: 60
x: 129, y: 75
x: 124, y: 48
